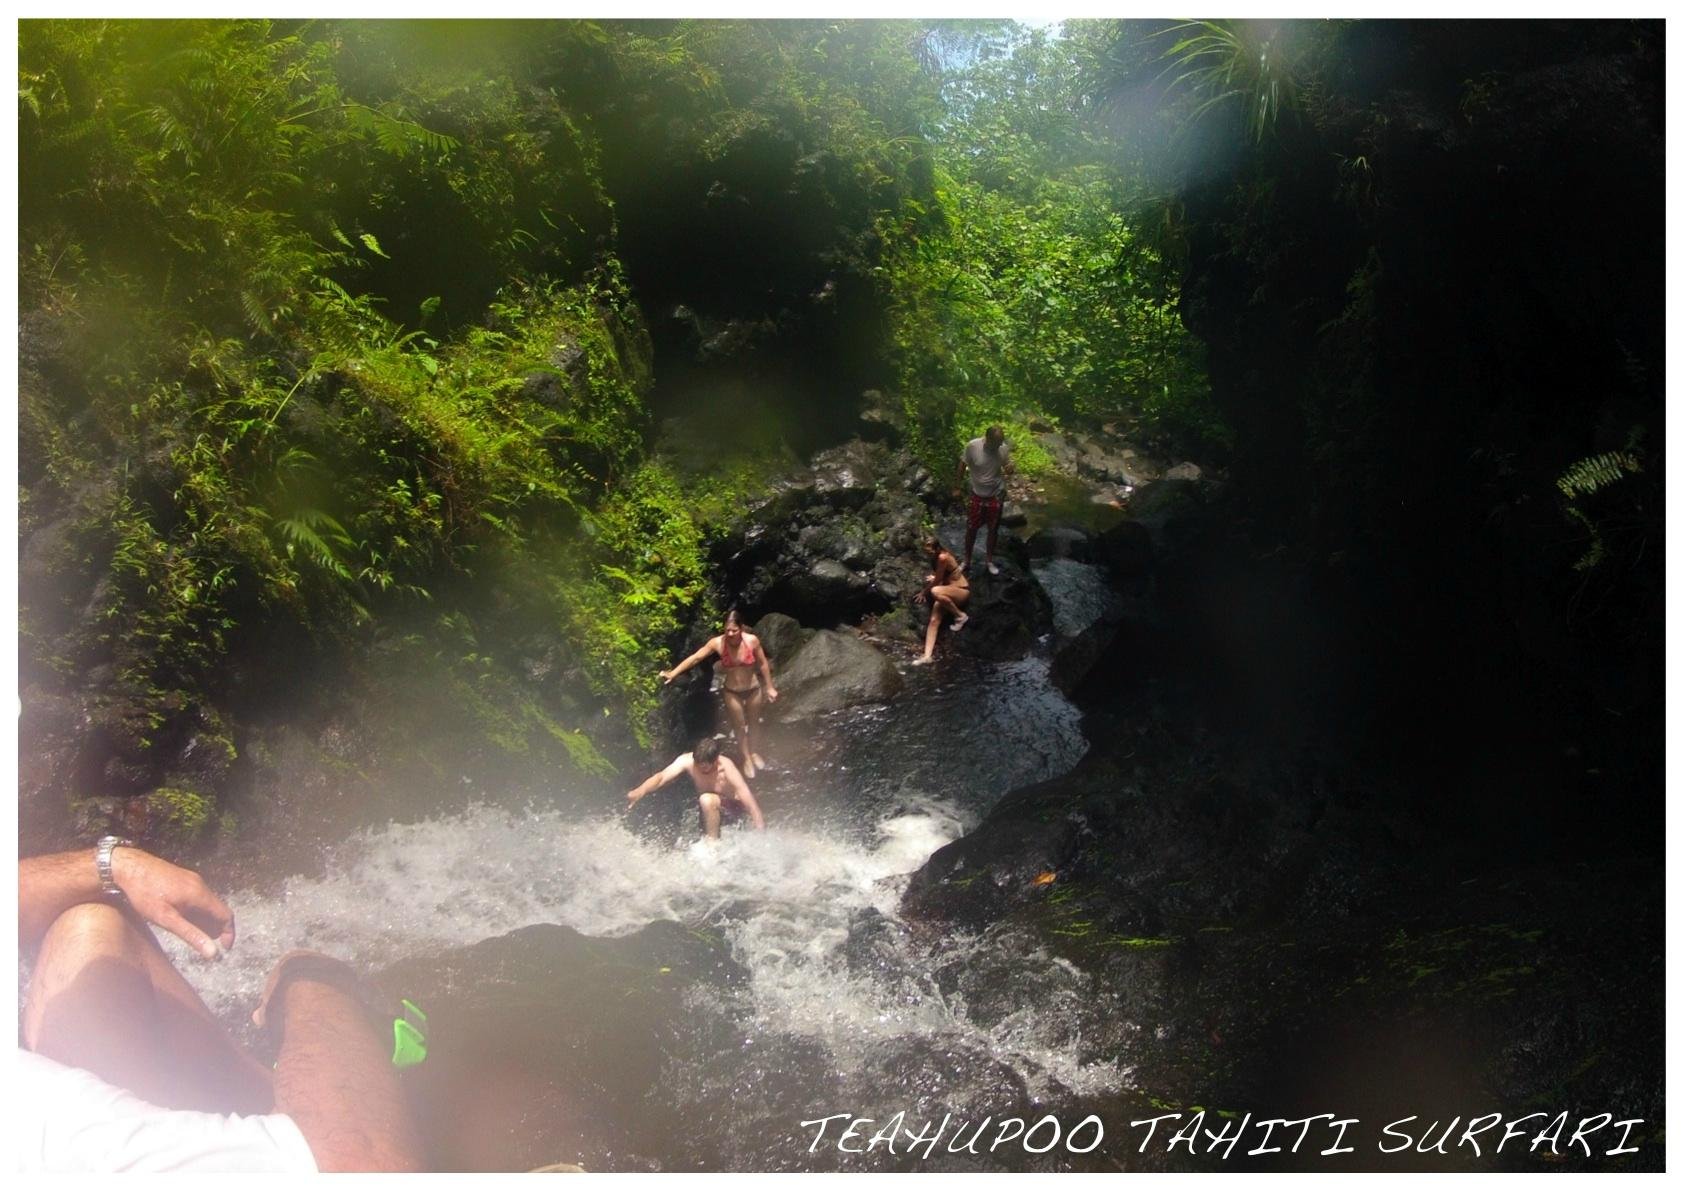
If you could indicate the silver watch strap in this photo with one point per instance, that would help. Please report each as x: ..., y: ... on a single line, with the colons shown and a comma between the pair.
x: 102, y: 862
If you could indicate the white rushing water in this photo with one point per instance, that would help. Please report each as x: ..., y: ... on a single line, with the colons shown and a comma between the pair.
x: 784, y: 900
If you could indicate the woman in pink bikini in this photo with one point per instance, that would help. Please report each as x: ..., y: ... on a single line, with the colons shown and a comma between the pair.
x: 747, y: 675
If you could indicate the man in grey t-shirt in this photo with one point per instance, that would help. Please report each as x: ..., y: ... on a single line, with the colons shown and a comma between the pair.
x: 990, y: 462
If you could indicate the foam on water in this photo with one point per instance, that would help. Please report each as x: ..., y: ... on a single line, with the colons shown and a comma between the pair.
x: 786, y: 901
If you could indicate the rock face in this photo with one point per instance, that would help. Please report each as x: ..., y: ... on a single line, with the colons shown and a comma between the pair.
x: 1258, y: 937
x: 546, y: 1028
x: 1107, y: 458
x: 149, y: 769
x: 833, y: 543
x: 1008, y: 612
x: 828, y: 670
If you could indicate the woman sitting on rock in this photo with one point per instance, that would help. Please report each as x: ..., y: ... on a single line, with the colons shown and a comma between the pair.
x: 747, y: 680
x: 946, y: 589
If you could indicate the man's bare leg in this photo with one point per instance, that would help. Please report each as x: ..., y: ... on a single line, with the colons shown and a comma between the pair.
x: 739, y: 728
x: 709, y: 804
x: 104, y: 997
x: 970, y: 541
x: 993, y: 537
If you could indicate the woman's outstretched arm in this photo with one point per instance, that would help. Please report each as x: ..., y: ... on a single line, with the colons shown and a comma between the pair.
x: 695, y: 659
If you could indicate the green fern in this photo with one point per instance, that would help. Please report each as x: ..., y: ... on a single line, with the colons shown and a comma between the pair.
x: 1596, y: 473
x: 318, y: 537
x: 1591, y: 475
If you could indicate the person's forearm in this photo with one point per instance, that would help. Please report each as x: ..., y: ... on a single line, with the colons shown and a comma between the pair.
x: 754, y: 813
x: 335, y: 1079
x: 50, y: 885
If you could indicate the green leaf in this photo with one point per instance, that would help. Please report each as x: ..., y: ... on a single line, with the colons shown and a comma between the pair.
x: 372, y: 244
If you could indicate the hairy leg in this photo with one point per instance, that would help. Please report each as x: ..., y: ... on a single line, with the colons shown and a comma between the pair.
x: 993, y: 533
x: 104, y: 997
x: 709, y: 806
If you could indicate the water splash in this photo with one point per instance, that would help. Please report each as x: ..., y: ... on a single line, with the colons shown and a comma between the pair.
x: 790, y: 903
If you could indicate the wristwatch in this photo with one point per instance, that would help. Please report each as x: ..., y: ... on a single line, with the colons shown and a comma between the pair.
x: 102, y: 862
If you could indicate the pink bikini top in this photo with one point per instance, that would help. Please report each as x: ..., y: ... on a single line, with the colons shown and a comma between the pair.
x: 730, y: 663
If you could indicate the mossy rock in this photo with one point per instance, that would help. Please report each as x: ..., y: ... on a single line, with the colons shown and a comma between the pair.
x: 177, y: 812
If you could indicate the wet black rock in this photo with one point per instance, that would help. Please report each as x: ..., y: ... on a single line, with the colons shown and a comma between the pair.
x: 547, y: 1044
x: 836, y: 542
x: 847, y: 476
x: 1271, y: 934
x: 1125, y: 550
x: 826, y: 591
x: 1008, y: 612
x: 1161, y: 505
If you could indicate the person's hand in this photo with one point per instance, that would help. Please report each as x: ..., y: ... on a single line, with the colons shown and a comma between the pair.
x: 631, y: 798
x: 315, y: 959
x: 174, y: 898
x: 668, y: 675
x: 771, y: 693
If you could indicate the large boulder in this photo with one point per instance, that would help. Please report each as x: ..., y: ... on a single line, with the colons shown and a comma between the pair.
x: 551, y: 1043
x: 1008, y: 612
x: 833, y: 670
x: 1108, y: 654
x: 782, y: 636
x: 881, y: 420
x: 1064, y: 449
x: 1160, y: 505
x: 1125, y: 550
x: 847, y: 476
x: 1059, y: 541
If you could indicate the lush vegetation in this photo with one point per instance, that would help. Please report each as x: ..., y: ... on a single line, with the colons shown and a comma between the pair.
x: 339, y: 339
x: 1033, y: 288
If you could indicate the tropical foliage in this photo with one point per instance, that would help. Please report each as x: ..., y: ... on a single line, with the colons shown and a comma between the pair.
x: 337, y: 336
x: 1030, y: 291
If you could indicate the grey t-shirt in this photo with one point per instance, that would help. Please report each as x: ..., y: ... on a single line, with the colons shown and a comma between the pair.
x: 987, y: 475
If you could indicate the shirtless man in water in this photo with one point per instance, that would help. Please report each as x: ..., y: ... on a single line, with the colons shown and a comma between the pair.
x: 746, y: 672
x: 720, y: 789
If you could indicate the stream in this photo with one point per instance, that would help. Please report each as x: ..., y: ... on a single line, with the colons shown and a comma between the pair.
x: 713, y: 997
